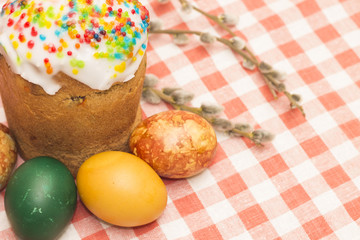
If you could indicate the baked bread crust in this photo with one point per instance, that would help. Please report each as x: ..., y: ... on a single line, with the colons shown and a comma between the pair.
x: 73, y: 124
x: 8, y: 155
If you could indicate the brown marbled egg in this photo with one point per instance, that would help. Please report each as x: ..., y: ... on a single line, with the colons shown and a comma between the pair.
x: 176, y: 144
x: 8, y: 155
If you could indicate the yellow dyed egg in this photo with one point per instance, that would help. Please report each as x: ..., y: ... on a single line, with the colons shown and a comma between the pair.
x: 121, y: 189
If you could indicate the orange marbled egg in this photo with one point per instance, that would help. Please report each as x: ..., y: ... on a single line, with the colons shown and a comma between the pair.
x: 176, y: 144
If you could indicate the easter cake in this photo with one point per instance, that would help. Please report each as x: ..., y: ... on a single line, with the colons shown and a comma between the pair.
x: 71, y: 75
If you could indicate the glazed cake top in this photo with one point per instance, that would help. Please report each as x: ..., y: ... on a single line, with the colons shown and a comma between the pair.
x: 97, y: 42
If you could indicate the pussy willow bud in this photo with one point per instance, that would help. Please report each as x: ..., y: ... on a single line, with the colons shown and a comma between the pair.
x: 221, y: 124
x: 207, y: 38
x: 151, y: 97
x: 238, y: 43
x: 280, y: 87
x: 296, y: 97
x: 243, y: 127
x: 278, y: 75
x: 150, y: 80
x: 181, y: 39
x: 186, y: 7
x: 265, y: 67
x: 228, y: 19
x: 262, y: 136
x: 155, y: 24
x: 211, y: 109
x: 248, y: 64
x: 182, y: 96
x: 169, y: 91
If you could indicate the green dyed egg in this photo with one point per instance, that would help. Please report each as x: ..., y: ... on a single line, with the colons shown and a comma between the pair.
x: 40, y: 199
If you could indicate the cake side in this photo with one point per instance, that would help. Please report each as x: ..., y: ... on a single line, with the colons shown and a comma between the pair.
x: 74, y: 123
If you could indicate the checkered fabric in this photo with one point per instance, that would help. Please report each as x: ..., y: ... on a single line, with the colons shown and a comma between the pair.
x: 303, y: 185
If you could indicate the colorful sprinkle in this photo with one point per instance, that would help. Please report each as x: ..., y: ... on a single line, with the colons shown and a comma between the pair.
x: 73, y: 62
x: 10, y: 22
x: 42, y: 37
x: 60, y: 55
x: 22, y: 38
x: 30, y: 44
x: 33, y: 32
x: 121, y: 67
x: 15, y: 44
x: 111, y: 31
x: 80, y: 64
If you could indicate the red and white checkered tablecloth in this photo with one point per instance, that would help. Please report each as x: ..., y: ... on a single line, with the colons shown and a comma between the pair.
x: 303, y: 185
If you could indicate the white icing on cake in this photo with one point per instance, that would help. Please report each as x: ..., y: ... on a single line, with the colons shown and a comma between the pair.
x: 97, y: 42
